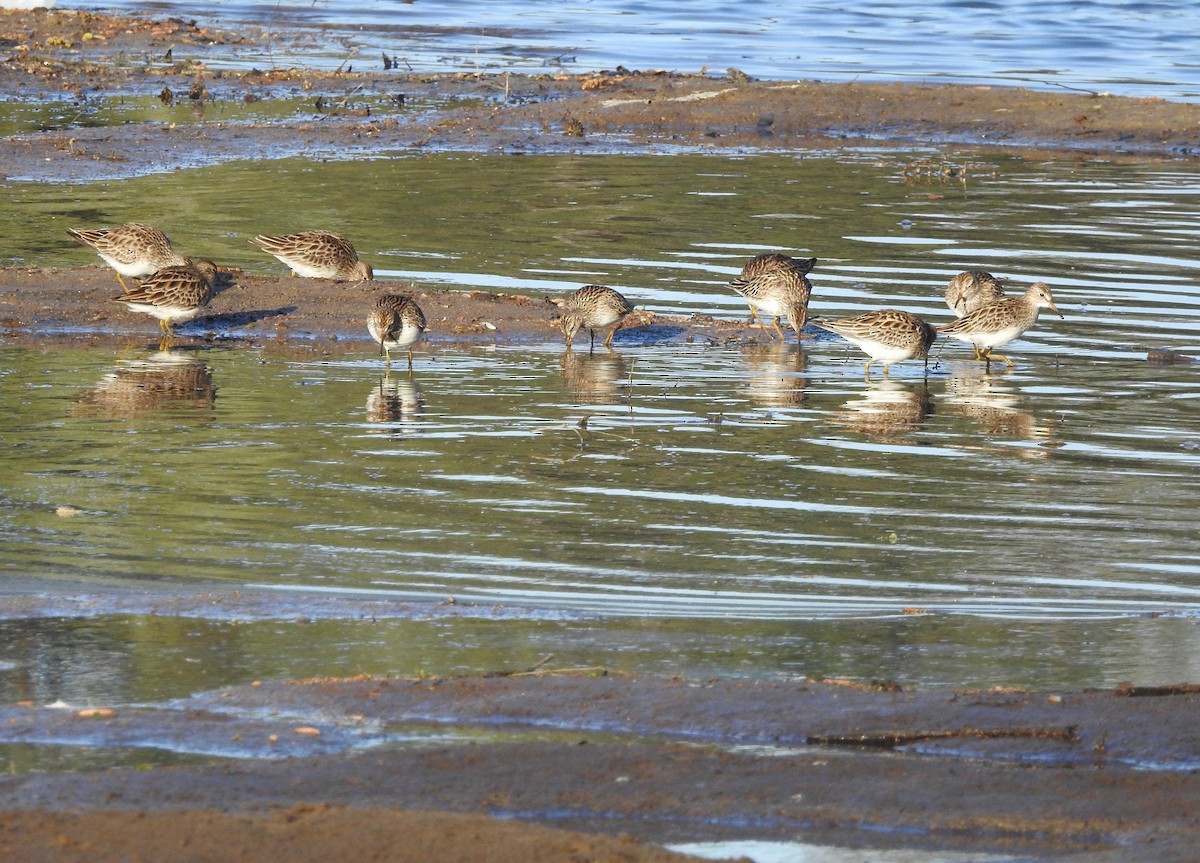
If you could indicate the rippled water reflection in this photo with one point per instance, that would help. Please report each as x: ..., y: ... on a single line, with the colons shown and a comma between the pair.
x: 694, y: 507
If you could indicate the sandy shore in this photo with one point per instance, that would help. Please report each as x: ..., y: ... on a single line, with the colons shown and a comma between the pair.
x: 1038, y: 775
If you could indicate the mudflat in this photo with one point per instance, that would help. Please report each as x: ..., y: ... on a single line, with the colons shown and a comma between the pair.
x: 622, y: 762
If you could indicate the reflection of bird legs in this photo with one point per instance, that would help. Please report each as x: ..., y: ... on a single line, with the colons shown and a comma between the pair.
x: 867, y: 370
x: 168, y: 334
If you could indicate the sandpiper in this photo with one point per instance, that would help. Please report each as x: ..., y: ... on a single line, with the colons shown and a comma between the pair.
x: 592, y: 307
x: 317, y: 255
x: 887, y: 335
x: 396, y: 323
x: 972, y: 290
x: 999, y: 322
x: 132, y: 249
x: 777, y: 285
x: 173, y: 294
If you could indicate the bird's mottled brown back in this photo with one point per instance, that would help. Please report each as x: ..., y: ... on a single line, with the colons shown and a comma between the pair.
x: 393, y: 311
x: 972, y: 290
x: 187, y: 286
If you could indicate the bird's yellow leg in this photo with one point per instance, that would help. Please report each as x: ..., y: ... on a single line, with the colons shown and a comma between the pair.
x: 775, y: 324
x: 867, y: 369
x: 611, y: 333
x: 754, y: 314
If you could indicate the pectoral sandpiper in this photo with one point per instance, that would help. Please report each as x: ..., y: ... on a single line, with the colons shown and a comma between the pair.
x: 317, y: 255
x: 887, y: 335
x: 132, y: 249
x: 999, y: 322
x: 592, y: 307
x: 777, y: 285
x: 395, y: 323
x: 972, y: 290
x: 173, y: 294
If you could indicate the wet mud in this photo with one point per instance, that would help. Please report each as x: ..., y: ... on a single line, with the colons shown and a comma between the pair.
x: 368, y: 112
x: 312, y: 314
x: 312, y: 770
x: 1071, y: 775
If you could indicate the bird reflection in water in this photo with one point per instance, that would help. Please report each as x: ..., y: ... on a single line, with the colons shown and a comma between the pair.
x: 994, y: 404
x: 162, y: 380
x: 395, y: 400
x: 888, y: 409
x: 594, y: 379
x: 775, y: 375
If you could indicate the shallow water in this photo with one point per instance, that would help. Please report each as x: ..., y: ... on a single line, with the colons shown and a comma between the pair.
x: 757, y: 511
x: 1135, y: 49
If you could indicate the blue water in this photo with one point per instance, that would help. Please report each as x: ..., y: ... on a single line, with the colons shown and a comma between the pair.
x: 1135, y: 49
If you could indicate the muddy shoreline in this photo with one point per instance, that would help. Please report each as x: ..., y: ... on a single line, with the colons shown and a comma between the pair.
x: 1064, y: 775
x: 349, y: 114
x: 1093, y: 776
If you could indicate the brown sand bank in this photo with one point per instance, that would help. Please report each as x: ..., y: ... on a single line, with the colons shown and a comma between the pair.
x: 310, y: 314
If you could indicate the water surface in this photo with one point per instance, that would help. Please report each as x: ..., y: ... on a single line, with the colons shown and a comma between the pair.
x: 1123, y: 48
x: 680, y: 508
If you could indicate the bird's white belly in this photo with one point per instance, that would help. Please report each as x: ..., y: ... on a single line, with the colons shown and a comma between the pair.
x: 408, y: 335
x: 125, y: 268
x: 767, y: 306
x: 174, y: 314
x: 998, y: 338
x: 885, y: 353
x: 309, y: 271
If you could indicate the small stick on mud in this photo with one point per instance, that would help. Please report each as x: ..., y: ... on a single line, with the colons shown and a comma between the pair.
x: 1128, y: 690
x: 530, y: 670
x: 892, y: 739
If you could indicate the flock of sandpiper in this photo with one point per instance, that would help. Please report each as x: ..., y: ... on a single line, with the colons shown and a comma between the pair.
x: 175, y: 289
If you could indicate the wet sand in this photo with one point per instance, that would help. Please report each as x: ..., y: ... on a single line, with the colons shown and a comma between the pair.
x: 1039, y: 775
x: 1094, y: 776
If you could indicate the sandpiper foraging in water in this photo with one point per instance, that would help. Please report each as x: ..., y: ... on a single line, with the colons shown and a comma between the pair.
x: 973, y: 290
x: 173, y: 294
x: 887, y: 335
x: 999, y: 322
x: 395, y: 322
x: 132, y: 249
x: 592, y: 307
x: 317, y: 255
x: 776, y: 285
